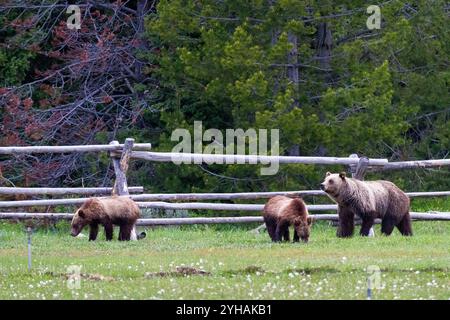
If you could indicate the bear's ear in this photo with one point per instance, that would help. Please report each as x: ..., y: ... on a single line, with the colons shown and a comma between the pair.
x: 310, y: 220
x: 327, y: 174
x: 81, y: 214
x: 342, y: 175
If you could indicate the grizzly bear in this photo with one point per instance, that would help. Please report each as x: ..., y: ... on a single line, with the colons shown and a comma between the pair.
x: 369, y: 200
x: 121, y: 211
x: 280, y: 212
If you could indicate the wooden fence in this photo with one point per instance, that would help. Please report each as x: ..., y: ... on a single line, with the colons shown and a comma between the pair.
x: 434, y: 216
x: 122, y: 153
x: 63, y: 191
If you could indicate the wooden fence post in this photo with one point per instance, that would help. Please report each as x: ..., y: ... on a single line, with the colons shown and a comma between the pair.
x: 120, y: 169
x: 359, y: 171
x: 116, y: 166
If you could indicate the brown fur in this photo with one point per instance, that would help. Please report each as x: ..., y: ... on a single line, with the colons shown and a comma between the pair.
x: 121, y: 211
x: 369, y: 200
x: 280, y: 212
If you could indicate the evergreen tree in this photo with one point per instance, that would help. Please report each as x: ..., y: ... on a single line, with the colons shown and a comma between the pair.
x: 310, y: 68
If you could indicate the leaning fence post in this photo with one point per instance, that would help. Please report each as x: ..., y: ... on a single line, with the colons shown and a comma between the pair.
x: 120, y: 169
x: 358, y: 172
x: 116, y: 166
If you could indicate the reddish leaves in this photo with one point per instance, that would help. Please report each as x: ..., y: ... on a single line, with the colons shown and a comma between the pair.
x: 34, y: 131
x: 27, y: 103
x: 106, y: 99
x: 82, y: 78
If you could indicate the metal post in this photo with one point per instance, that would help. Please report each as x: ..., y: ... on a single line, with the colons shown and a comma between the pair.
x: 29, y: 231
x: 369, y: 289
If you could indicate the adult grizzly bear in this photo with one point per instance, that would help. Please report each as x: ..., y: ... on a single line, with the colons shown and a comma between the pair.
x: 280, y: 212
x: 121, y: 211
x: 369, y: 200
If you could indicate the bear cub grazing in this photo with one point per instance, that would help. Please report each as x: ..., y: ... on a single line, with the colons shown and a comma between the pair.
x: 280, y: 212
x: 121, y: 211
x: 369, y: 200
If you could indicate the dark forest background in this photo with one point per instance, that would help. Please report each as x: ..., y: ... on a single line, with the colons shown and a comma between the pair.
x: 143, y: 68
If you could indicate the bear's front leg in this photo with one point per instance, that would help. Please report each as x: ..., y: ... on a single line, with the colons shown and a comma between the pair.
x: 367, y: 223
x: 108, y: 230
x: 93, y: 231
x: 280, y: 231
x: 346, y: 222
x: 271, y: 225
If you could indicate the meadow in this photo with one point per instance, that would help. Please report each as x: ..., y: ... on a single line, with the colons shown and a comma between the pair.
x: 226, y: 262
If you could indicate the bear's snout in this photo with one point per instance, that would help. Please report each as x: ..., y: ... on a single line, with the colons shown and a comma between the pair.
x: 322, y: 186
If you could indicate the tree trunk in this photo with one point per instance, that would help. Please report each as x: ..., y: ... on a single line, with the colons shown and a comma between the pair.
x: 293, y: 76
x: 324, y: 45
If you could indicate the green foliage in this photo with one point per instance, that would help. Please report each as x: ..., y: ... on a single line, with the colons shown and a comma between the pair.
x: 14, y: 65
x: 226, y: 65
x: 364, y: 116
x: 381, y: 93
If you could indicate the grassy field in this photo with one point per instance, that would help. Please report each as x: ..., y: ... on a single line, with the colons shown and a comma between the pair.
x: 227, y: 262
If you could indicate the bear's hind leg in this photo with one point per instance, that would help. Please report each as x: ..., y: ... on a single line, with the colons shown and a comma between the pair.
x: 125, y: 232
x: 404, y: 226
x: 296, y: 237
x: 120, y: 238
x: 387, y: 225
x: 93, y: 231
x: 108, y: 231
x: 367, y: 223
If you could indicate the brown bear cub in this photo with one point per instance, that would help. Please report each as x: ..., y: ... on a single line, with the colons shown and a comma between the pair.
x: 369, y: 200
x: 280, y: 212
x: 121, y: 211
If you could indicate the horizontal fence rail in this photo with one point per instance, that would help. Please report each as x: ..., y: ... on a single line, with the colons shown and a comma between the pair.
x: 63, y: 191
x: 374, y: 164
x: 225, y: 196
x: 36, y: 215
x: 182, y: 196
x: 414, y: 164
x: 419, y: 216
x: 254, y: 195
x: 428, y: 194
x: 74, y: 148
x: 232, y: 158
x: 222, y: 206
x: 251, y: 219
x: 196, y: 196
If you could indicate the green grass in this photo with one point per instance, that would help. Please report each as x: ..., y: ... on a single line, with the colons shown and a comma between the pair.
x: 240, y: 265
